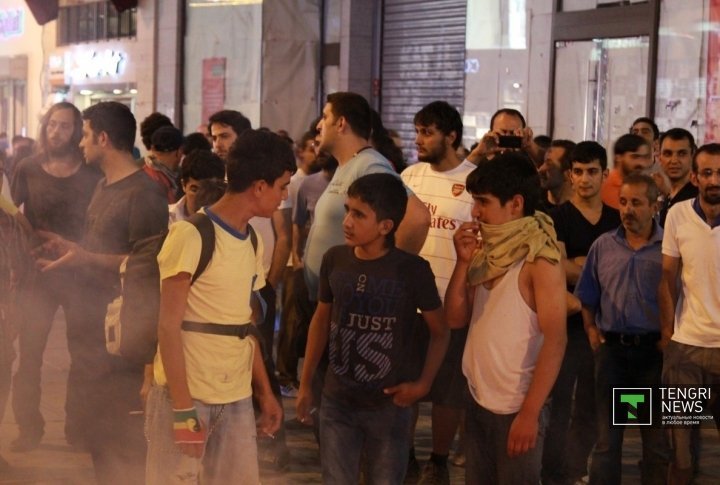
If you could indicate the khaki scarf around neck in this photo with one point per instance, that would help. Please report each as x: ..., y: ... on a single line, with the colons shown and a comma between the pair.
x: 505, y: 244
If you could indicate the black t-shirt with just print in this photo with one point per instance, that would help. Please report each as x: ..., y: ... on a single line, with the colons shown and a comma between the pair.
x: 374, y: 303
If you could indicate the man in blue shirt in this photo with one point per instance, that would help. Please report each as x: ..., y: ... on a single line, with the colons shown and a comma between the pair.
x: 618, y: 291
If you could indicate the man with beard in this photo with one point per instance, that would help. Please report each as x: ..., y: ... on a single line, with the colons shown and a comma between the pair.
x: 689, y: 309
x: 676, y: 151
x: 127, y: 206
x: 439, y: 182
x: 55, y: 188
x: 618, y: 290
x: 555, y: 174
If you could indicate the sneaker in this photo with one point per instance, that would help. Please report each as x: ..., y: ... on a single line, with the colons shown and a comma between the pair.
x: 289, y: 391
x: 412, y: 475
x: 434, y: 474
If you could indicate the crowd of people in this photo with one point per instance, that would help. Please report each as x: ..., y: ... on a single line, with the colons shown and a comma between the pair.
x: 511, y: 285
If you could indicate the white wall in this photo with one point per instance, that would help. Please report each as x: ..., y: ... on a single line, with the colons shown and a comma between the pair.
x: 233, y: 32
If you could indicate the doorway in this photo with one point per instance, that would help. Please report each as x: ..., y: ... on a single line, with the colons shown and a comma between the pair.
x: 600, y: 87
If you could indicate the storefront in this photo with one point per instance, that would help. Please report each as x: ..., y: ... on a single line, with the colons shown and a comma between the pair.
x: 86, y: 75
x: 19, y: 64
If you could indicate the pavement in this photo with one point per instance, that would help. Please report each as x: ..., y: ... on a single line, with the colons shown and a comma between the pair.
x: 56, y: 463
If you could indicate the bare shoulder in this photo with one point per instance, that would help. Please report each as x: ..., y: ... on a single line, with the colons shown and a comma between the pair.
x: 541, y: 277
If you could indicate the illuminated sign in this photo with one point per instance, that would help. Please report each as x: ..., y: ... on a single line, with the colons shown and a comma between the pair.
x: 91, y: 64
x: 11, y: 23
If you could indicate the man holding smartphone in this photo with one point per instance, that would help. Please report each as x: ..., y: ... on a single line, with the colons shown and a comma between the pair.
x: 508, y: 131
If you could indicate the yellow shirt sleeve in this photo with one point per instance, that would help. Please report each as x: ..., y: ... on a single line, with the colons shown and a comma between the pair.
x: 8, y: 207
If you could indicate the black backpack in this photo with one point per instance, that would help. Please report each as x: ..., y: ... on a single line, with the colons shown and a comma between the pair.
x: 131, y: 322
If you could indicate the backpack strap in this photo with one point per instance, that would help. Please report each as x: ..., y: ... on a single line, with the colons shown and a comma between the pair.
x: 207, y: 235
x: 253, y: 237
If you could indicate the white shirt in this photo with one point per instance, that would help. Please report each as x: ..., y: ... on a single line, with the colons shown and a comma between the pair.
x: 690, y: 238
x: 450, y: 205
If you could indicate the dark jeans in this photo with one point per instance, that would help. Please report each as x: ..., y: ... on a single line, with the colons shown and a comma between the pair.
x: 379, y: 435
x: 486, y: 437
x: 689, y: 365
x: 618, y: 365
x: 572, y: 423
x: 287, y: 352
x: 39, y: 306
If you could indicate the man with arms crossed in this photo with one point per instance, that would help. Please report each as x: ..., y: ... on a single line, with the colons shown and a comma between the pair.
x: 512, y: 291
x: 689, y: 311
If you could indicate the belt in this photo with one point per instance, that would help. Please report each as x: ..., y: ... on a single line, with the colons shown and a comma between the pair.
x: 632, y: 340
x: 239, y: 331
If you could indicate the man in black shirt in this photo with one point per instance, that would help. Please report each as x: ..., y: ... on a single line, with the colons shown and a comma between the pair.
x: 54, y: 187
x: 127, y: 206
x: 578, y: 223
x: 677, y: 147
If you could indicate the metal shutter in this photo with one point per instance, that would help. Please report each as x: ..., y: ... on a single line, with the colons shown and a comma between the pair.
x: 423, y: 60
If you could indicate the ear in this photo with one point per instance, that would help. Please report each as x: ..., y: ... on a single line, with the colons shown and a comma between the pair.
x: 605, y: 173
x: 386, y: 225
x: 342, y: 124
x: 103, y: 139
x: 259, y: 187
x: 694, y: 178
x: 518, y: 203
x: 451, y: 139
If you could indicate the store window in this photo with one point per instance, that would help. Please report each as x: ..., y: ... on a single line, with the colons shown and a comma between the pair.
x: 683, y: 71
x: 91, y: 22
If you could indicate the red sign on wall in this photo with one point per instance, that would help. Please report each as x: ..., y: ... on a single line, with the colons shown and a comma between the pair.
x: 213, y: 86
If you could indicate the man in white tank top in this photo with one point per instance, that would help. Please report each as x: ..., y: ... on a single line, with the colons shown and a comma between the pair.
x: 511, y: 290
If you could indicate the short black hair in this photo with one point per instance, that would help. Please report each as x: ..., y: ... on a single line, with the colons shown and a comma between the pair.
x: 355, y: 109
x: 150, y: 124
x: 200, y: 165
x: 567, y: 146
x: 116, y: 120
x: 587, y: 152
x: 167, y: 139
x: 649, y: 121
x: 710, y: 149
x: 651, y: 189
x: 543, y: 141
x: 195, y: 141
x: 229, y: 117
x: 505, y: 176
x: 510, y: 112
x: 445, y: 117
x: 629, y: 143
x: 258, y: 155
x: 386, y: 196
x: 679, y: 134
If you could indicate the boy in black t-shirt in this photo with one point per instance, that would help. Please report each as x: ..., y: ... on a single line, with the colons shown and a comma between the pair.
x: 367, y: 300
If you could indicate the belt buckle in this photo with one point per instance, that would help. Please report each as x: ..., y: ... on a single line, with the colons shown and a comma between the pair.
x: 629, y: 340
